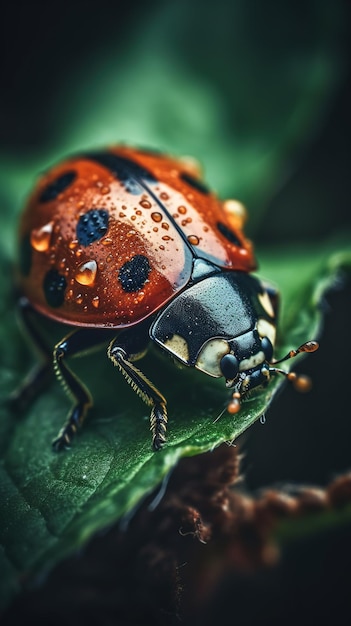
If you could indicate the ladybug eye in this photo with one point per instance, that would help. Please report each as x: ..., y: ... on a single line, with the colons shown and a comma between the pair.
x: 267, y: 348
x: 229, y: 366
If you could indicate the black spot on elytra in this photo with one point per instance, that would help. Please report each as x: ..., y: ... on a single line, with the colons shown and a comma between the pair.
x: 25, y: 256
x: 57, y: 186
x: 195, y: 183
x: 134, y: 273
x: 92, y: 226
x: 228, y: 234
x: 54, y: 285
x: 129, y: 173
x: 151, y: 151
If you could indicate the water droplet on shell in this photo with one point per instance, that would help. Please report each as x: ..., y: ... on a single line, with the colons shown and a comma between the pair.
x: 86, y: 273
x: 40, y: 238
x: 157, y: 217
x: 194, y: 240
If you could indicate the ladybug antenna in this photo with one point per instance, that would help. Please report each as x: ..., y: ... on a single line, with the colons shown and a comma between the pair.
x: 301, y: 382
x: 308, y: 346
x: 235, y: 403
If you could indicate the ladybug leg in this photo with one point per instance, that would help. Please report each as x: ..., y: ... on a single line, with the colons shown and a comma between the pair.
x: 77, y: 342
x: 40, y: 375
x: 122, y: 357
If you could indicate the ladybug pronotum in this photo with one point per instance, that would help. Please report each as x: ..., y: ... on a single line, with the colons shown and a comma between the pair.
x: 130, y: 246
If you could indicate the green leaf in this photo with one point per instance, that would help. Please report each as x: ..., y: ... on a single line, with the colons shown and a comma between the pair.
x: 52, y: 503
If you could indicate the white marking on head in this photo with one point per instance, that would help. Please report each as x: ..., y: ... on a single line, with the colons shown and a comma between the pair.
x: 266, y: 329
x: 178, y: 346
x: 253, y: 361
x: 209, y: 358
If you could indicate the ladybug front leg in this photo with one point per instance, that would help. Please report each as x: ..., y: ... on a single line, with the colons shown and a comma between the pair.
x: 122, y: 357
x: 77, y: 342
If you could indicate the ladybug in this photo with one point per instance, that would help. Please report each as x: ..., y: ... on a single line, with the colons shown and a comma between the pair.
x: 130, y: 246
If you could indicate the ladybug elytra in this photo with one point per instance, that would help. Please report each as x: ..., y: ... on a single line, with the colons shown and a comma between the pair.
x: 130, y: 246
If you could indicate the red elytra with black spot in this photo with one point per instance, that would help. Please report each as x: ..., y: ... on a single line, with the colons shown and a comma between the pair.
x: 109, y: 237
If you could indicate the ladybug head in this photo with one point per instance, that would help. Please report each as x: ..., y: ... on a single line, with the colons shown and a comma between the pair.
x: 244, y: 381
x: 223, y: 326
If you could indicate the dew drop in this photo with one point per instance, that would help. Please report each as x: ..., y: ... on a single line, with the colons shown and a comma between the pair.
x: 86, y: 273
x: 164, y: 196
x: 157, y: 217
x: 138, y: 212
x: 140, y: 297
x: 194, y: 240
x: 145, y: 204
x: 40, y: 238
x: 73, y: 244
x: 161, y: 247
x: 105, y: 190
x: 95, y: 302
x: 79, y: 299
x: 182, y: 210
x: 107, y: 241
x: 155, y: 229
x: 166, y: 238
x: 109, y: 258
x: 121, y: 214
x: 79, y: 252
x: 165, y: 225
x: 243, y: 252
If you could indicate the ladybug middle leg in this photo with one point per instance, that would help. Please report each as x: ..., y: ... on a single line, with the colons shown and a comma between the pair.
x: 122, y: 351
x: 75, y: 343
